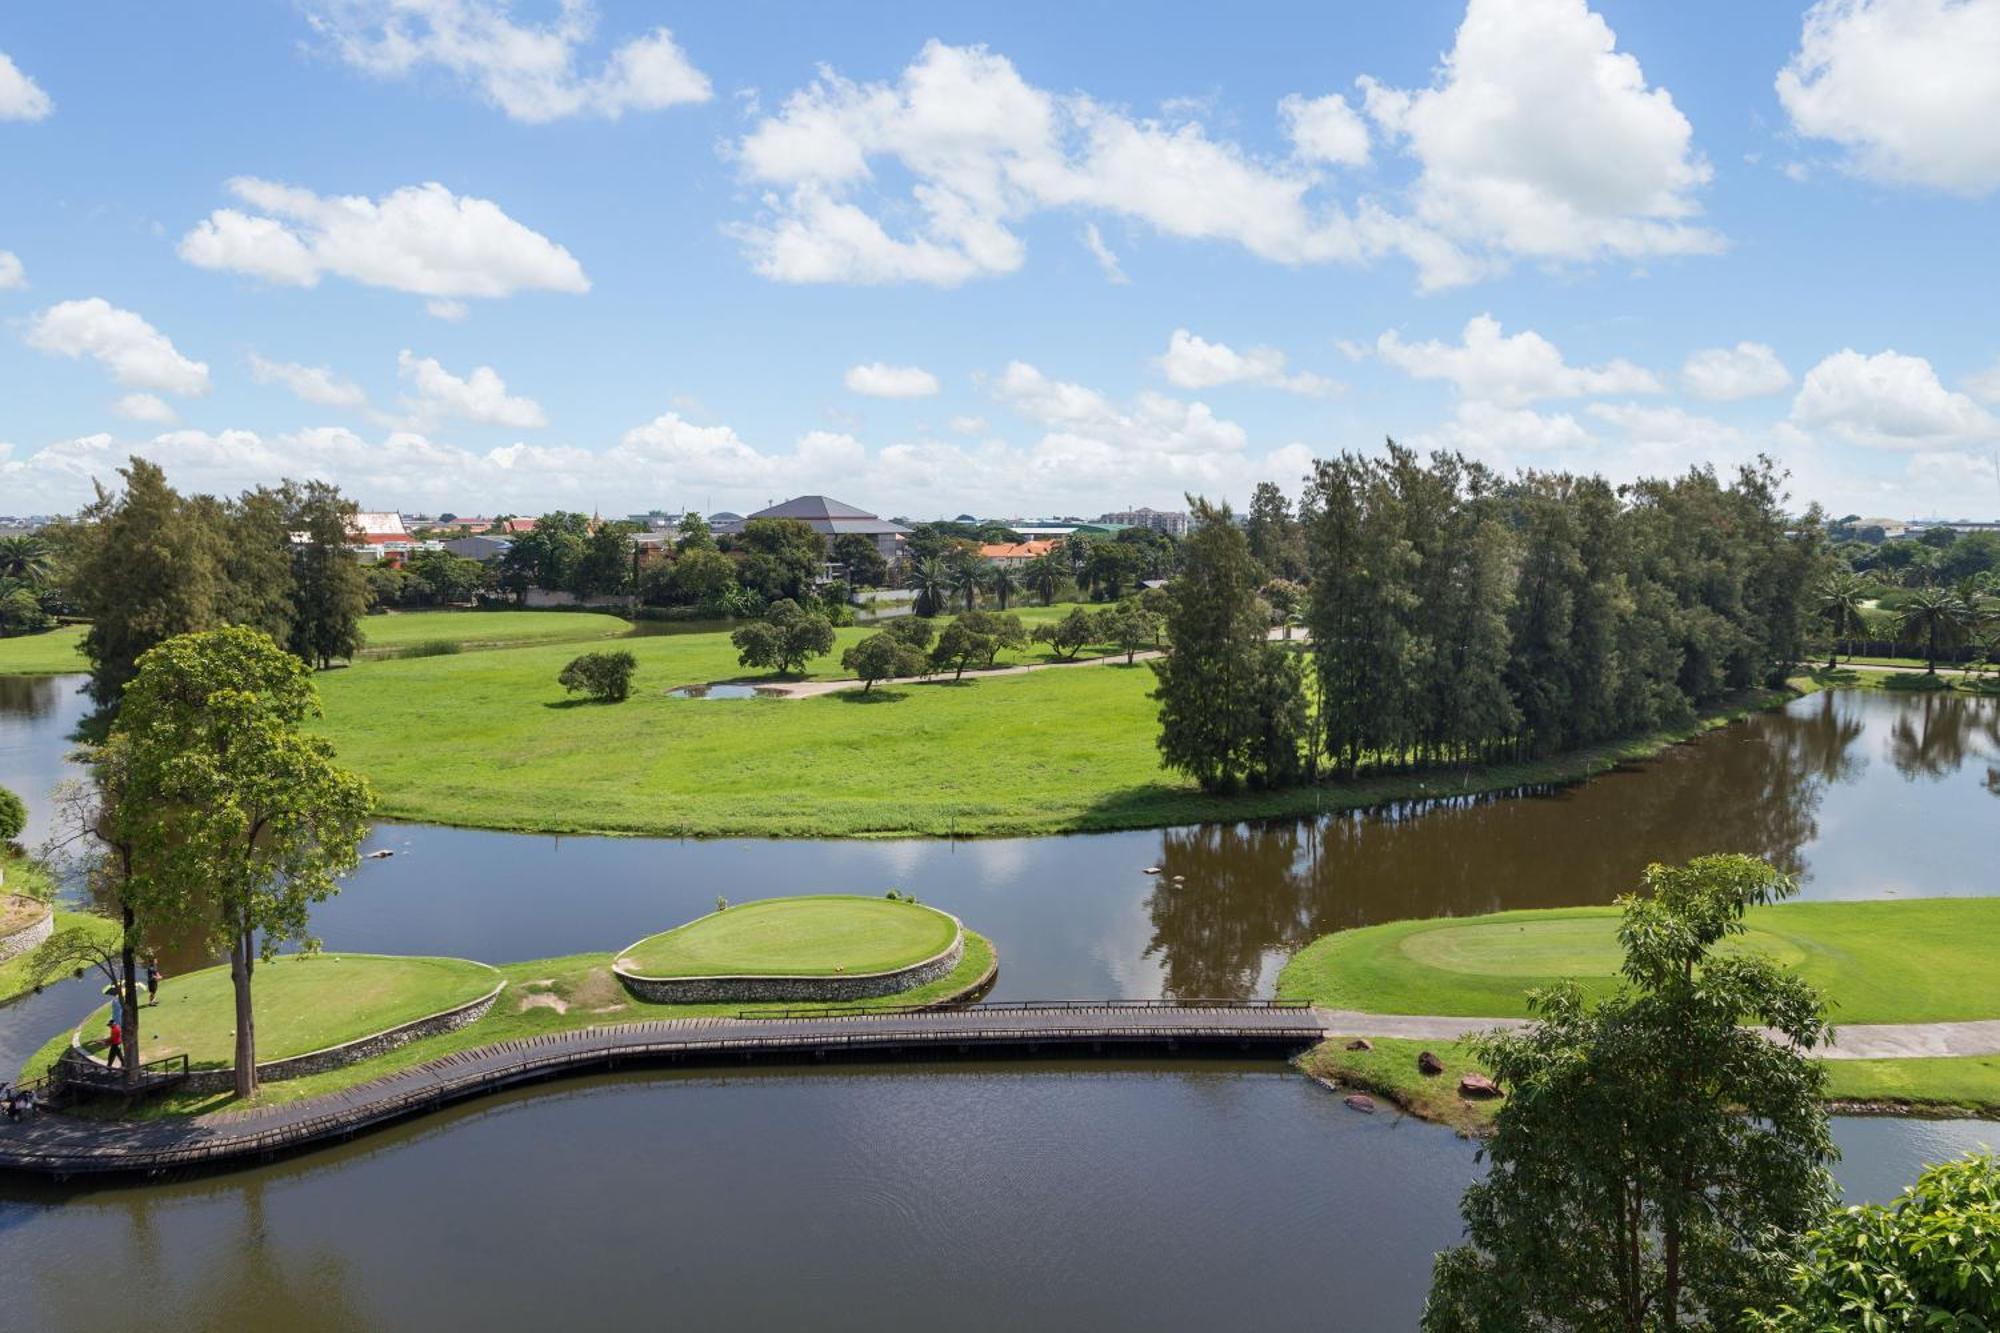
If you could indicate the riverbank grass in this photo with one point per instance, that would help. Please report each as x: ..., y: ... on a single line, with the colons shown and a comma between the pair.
x: 303, y: 1002
x: 808, y: 936
x: 53, y: 653
x: 394, y: 631
x: 15, y: 978
x: 1919, y: 961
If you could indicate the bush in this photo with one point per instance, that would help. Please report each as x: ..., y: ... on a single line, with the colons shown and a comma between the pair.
x: 605, y: 676
x: 432, y: 648
x: 13, y: 816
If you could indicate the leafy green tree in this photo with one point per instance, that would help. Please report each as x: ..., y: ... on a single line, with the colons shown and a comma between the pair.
x: 330, y: 591
x: 783, y: 558
x: 1111, y: 568
x: 253, y: 536
x: 1937, y: 618
x: 144, y: 567
x: 783, y: 640
x: 548, y: 555
x: 1929, y: 1260
x: 1209, y: 684
x: 1286, y: 599
x: 883, y: 656
x: 1655, y: 1150
x: 865, y: 565
x: 606, y: 677
x: 693, y: 534
x: 701, y: 576
x: 243, y: 815
x: 995, y: 630
x: 1045, y: 576
x: 931, y: 579
x: 447, y: 579
x: 957, y: 647
x: 26, y: 558
x: 915, y: 631
x: 13, y: 816
x: 604, y: 568
x: 1129, y: 625
x: 1277, y: 542
x: 21, y: 611
x: 1278, y: 749
x: 1070, y: 635
x: 1838, y: 599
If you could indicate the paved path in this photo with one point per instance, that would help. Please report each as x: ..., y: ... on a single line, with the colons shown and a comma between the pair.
x: 1859, y: 1041
x: 64, y: 1146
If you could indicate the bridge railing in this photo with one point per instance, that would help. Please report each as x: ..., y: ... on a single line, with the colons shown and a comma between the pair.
x: 1025, y: 1006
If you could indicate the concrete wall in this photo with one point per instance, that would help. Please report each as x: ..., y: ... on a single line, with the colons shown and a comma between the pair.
x: 26, y: 938
x: 759, y: 990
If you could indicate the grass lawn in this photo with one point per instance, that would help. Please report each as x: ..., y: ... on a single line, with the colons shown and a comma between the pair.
x: 56, y: 653
x: 15, y: 980
x: 807, y: 937
x: 303, y: 1002
x: 542, y: 996
x: 396, y: 630
x: 1819, y: 678
x: 1929, y: 960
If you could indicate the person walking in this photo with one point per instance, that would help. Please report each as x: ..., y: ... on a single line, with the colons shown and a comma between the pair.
x: 152, y: 979
x: 116, y: 1054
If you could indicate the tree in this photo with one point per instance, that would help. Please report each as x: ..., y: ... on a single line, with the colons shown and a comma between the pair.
x: 143, y: 567
x: 1654, y: 1149
x: 931, y: 579
x: 240, y: 814
x: 1004, y: 580
x: 13, y: 816
x: 915, y: 631
x: 1110, y: 568
x: 1929, y: 1260
x: 21, y: 611
x: 957, y: 647
x: 701, y: 576
x: 446, y: 578
x: 865, y: 565
x: 1129, y: 625
x: 546, y: 556
x: 1070, y: 635
x: 694, y: 534
x: 1045, y: 576
x: 1208, y: 684
x: 1286, y: 599
x: 883, y: 656
x: 968, y: 576
x: 25, y: 558
x: 606, y: 677
x: 604, y: 569
x: 1276, y: 540
x: 782, y: 558
x: 1838, y: 600
x: 783, y: 640
x: 330, y: 590
x: 995, y: 630
x: 1938, y: 619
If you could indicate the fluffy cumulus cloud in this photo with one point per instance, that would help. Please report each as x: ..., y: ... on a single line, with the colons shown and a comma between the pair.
x: 21, y: 98
x: 1488, y: 365
x: 13, y: 277
x: 1910, y: 89
x: 1540, y: 139
x: 437, y: 396
x: 310, y: 384
x: 421, y: 239
x: 148, y: 407
x: 879, y: 380
x: 1890, y: 401
x: 1193, y: 362
x: 1985, y: 384
x: 137, y: 354
x: 532, y: 72
x: 1725, y: 374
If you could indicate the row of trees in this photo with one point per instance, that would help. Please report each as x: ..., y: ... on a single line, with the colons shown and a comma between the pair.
x: 1931, y: 621
x: 29, y: 598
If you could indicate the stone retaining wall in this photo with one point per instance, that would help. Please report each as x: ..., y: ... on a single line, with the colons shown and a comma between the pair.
x: 757, y: 990
x: 26, y: 938
x: 333, y: 1057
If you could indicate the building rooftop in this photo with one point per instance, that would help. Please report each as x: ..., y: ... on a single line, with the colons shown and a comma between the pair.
x: 827, y: 515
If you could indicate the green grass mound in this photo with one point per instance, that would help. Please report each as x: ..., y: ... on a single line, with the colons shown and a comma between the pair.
x: 302, y: 1002
x: 796, y: 937
x: 408, y: 629
x: 1923, y: 961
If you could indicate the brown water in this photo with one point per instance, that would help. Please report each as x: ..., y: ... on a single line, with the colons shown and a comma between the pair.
x: 985, y: 1197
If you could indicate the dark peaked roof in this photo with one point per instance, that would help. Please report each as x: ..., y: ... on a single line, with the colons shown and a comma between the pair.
x: 809, y: 507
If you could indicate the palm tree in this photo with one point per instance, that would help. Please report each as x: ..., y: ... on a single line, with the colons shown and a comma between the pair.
x: 1839, y: 598
x: 25, y: 558
x: 1936, y: 617
x: 1045, y: 575
x: 931, y: 581
x: 967, y: 577
x: 1004, y: 580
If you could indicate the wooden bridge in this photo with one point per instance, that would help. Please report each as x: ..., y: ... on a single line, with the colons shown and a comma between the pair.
x: 62, y: 1146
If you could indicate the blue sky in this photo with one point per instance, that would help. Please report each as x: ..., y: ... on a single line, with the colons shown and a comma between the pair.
x: 1018, y: 260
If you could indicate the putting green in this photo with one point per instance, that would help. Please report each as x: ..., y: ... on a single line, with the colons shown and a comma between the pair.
x: 1926, y: 960
x: 796, y: 937
x: 302, y: 1003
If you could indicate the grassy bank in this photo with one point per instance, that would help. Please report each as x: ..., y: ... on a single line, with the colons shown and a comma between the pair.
x: 814, y: 935
x: 1923, y: 961
x: 1945, y: 681
x: 15, y: 979
x: 397, y: 631
x: 55, y: 653
x: 542, y: 996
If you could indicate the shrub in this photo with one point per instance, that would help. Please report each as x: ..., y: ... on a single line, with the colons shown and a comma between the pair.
x: 605, y: 676
x: 431, y: 648
x: 13, y: 816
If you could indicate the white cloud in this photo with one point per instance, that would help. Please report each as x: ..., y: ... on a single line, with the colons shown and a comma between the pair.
x: 878, y: 380
x: 1890, y: 401
x: 1910, y: 88
x: 1540, y: 139
x: 1325, y: 129
x: 447, y: 309
x: 1725, y: 374
x: 1985, y: 384
x: 480, y: 397
x: 1489, y: 366
x: 143, y: 407
x: 528, y: 71
x: 967, y: 425
x: 1192, y: 362
x: 1498, y: 436
x: 1155, y: 439
x: 1106, y: 257
x: 136, y: 353
x: 21, y: 98
x: 312, y: 384
x: 421, y: 239
x: 13, y: 277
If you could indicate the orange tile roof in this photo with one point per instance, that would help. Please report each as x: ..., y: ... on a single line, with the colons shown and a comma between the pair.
x: 1015, y: 550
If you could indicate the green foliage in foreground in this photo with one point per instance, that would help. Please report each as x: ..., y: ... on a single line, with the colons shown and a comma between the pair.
x: 1655, y: 1149
x: 1930, y: 1260
x: 1917, y: 961
x: 814, y: 935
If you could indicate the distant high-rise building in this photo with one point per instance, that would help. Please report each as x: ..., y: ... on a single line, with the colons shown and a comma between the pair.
x: 1170, y: 521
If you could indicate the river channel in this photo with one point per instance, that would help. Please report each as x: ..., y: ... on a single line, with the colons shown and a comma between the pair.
x: 1186, y: 1196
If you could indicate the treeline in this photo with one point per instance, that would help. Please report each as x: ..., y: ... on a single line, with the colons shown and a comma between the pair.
x: 1460, y: 616
x: 148, y: 563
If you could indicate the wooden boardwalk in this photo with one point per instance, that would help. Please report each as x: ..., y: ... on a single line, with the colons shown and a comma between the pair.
x: 62, y: 1147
